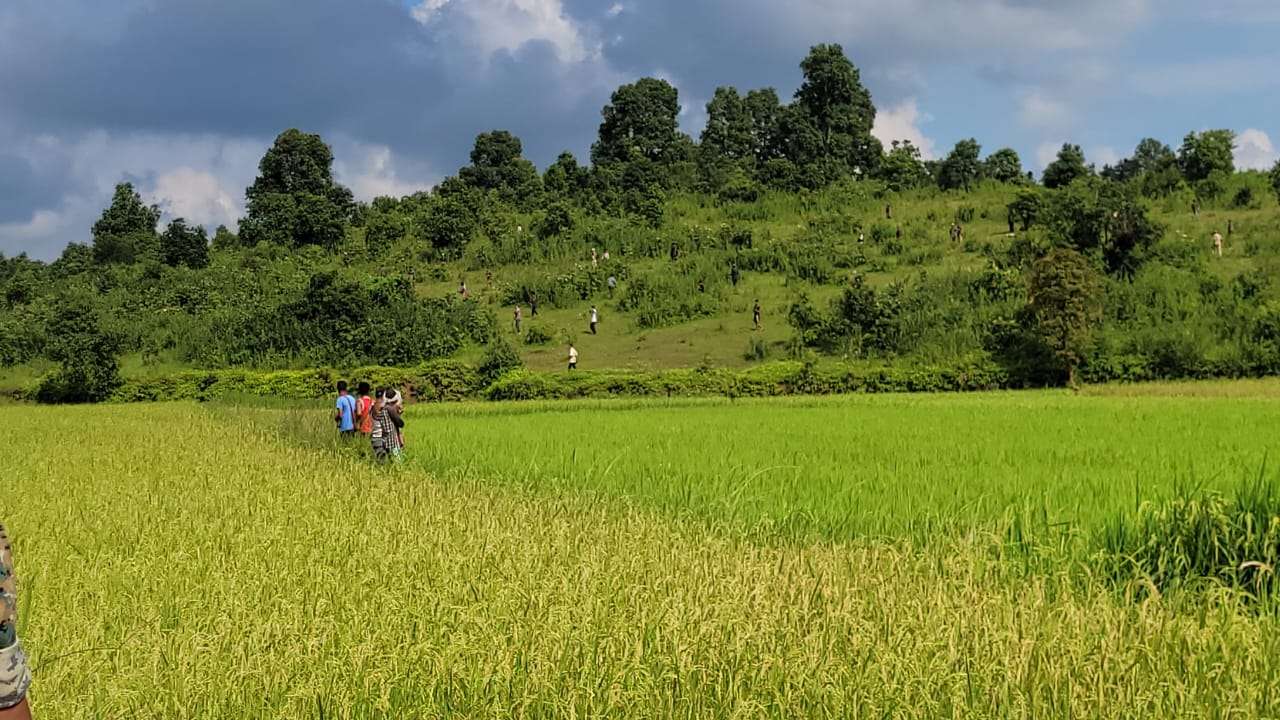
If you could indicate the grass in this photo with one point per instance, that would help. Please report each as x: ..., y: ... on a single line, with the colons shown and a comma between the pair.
x: 865, y: 465
x: 180, y: 563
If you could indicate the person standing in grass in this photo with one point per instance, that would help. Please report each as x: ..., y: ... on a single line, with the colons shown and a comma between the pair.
x: 345, y: 411
x: 533, y: 305
x: 15, y: 676
x: 387, y: 438
x: 613, y: 285
x: 364, y: 410
x: 1217, y: 243
x: 595, y: 318
x: 734, y: 274
x: 755, y: 315
x: 573, y: 357
x: 519, y: 316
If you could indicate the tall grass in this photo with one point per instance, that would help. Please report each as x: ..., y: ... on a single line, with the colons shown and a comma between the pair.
x: 227, y: 574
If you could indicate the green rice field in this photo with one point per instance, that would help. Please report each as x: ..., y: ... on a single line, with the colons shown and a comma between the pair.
x: 622, y: 560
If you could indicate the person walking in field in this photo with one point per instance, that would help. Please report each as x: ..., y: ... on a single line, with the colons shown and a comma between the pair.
x: 387, y: 438
x: 595, y: 259
x: 15, y: 675
x: 573, y: 357
x: 345, y: 411
x: 613, y: 285
x: 755, y: 315
x: 463, y: 292
x: 1217, y: 243
x: 364, y: 410
x: 533, y: 305
x: 519, y: 316
x: 734, y: 274
x: 595, y: 318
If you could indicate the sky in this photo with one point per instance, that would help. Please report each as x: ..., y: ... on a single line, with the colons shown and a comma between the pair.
x: 182, y: 97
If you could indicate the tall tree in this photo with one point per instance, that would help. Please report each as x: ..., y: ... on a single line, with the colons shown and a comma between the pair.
x: 1275, y: 179
x: 961, y: 168
x: 126, y: 232
x: 1064, y: 297
x: 902, y: 168
x: 1004, y: 166
x: 85, y: 351
x: 639, y: 122
x: 498, y: 164
x: 1205, y: 153
x: 295, y: 201
x: 766, y: 115
x: 565, y: 177
x: 828, y: 131
x: 1066, y: 168
x: 728, y: 135
x: 181, y: 244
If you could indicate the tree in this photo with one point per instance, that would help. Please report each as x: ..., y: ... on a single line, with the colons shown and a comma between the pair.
x: 1149, y: 156
x: 447, y: 223
x: 126, y: 232
x: 565, y: 178
x: 498, y: 165
x: 86, y: 354
x: 294, y: 201
x: 961, y: 168
x: 1275, y: 179
x: 224, y: 240
x: 1026, y: 207
x: 184, y: 245
x: 1004, y: 166
x: 1203, y: 154
x: 639, y: 122
x: 1103, y: 220
x: 1064, y: 298
x: 828, y: 134
x: 1067, y: 168
x: 728, y: 140
x: 901, y: 169
x: 766, y: 116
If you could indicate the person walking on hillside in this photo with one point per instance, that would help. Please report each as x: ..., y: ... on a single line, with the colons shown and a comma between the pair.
x: 755, y: 315
x: 613, y: 285
x: 1217, y: 243
x: 15, y: 675
x: 364, y: 410
x: 345, y: 411
x: 734, y: 274
x: 463, y: 292
x: 595, y: 318
x: 573, y: 357
x: 519, y: 316
x: 533, y: 305
x: 595, y: 259
x: 387, y: 438
x: 675, y: 252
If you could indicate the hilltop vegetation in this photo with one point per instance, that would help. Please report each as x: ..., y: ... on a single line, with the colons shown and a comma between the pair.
x: 856, y: 253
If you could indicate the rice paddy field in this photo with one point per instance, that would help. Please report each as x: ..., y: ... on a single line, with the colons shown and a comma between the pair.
x: 838, y: 557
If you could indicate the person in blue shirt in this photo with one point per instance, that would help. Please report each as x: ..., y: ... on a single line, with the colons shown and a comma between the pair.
x: 345, y: 413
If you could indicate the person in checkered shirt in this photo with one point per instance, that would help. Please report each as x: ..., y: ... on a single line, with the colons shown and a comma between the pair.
x: 15, y: 676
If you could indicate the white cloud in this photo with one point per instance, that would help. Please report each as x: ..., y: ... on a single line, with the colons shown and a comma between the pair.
x: 371, y: 171
x: 494, y: 25
x: 1254, y: 150
x: 902, y: 122
x: 1046, y: 152
x: 197, y: 196
x: 1039, y: 110
x: 1102, y: 155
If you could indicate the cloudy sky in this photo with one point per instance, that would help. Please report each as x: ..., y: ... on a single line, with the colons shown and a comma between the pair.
x: 182, y: 97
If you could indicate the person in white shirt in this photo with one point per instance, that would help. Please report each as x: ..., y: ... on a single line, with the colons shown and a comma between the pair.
x: 573, y: 357
x: 595, y: 318
x: 1217, y: 243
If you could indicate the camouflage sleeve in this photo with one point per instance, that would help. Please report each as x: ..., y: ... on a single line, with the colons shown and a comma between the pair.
x: 15, y: 677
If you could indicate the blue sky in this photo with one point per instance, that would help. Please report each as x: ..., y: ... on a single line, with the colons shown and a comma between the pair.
x: 182, y: 97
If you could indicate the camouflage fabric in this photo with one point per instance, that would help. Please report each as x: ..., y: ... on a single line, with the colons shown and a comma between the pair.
x: 14, y: 674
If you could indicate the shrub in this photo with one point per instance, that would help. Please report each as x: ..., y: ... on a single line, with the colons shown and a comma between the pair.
x: 537, y: 335
x: 499, y: 358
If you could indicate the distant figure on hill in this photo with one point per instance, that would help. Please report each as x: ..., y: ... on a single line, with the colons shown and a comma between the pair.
x: 595, y: 260
x: 862, y: 237
x: 364, y: 410
x: 675, y: 252
x: 702, y: 285
x: 463, y: 292
x: 605, y: 256
x: 1231, y: 227
x: 595, y: 318
x: 387, y: 438
x: 1195, y: 207
x: 613, y: 285
x: 345, y: 411
x: 1217, y: 243
x: 519, y: 316
x: 898, y: 232
x: 533, y: 305
x: 1011, y: 228
x: 888, y: 212
x: 755, y: 315
x: 955, y: 231
x: 573, y: 357
x: 734, y: 274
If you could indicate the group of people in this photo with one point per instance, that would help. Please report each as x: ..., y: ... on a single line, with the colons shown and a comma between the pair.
x: 377, y: 416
